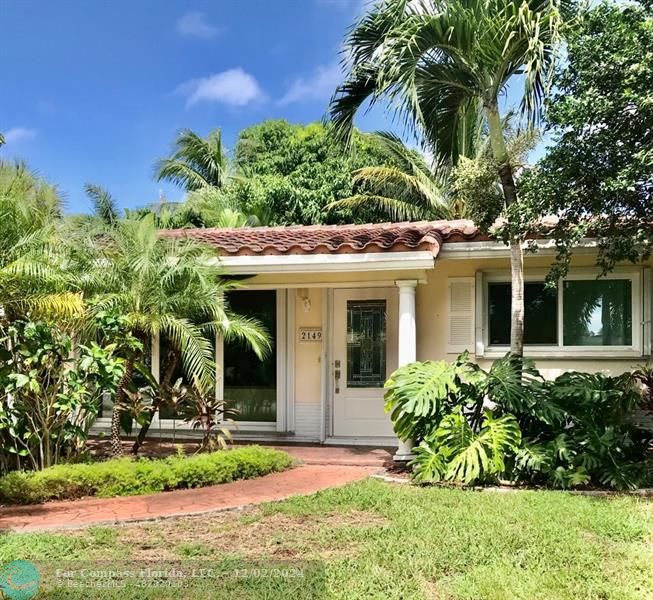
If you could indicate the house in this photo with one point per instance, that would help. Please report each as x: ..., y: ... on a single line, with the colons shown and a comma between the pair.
x: 349, y: 304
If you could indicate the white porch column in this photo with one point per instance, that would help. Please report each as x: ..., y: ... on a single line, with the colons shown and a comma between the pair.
x: 407, y: 352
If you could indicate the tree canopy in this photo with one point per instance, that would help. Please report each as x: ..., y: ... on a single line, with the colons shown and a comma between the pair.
x: 442, y: 64
x: 293, y: 172
x: 598, y: 175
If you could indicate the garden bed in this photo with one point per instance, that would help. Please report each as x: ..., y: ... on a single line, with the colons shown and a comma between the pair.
x: 133, y: 477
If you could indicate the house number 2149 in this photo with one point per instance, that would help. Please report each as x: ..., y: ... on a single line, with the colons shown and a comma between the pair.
x: 310, y: 335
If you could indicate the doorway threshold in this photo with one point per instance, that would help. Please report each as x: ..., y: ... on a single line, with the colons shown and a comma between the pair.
x: 377, y: 442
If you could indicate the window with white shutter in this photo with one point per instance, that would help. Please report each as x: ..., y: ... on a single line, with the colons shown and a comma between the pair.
x: 462, y: 311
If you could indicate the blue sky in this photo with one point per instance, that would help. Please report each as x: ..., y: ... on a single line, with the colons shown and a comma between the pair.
x: 95, y: 91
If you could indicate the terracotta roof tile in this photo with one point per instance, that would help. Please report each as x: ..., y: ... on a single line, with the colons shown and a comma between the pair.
x: 333, y: 239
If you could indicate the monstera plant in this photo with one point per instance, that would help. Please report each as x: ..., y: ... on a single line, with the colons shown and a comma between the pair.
x: 476, y: 426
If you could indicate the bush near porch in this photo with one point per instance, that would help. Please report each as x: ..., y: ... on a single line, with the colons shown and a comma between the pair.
x: 474, y: 426
x: 133, y: 477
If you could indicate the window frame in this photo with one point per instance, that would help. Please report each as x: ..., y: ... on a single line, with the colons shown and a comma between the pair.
x: 559, y: 350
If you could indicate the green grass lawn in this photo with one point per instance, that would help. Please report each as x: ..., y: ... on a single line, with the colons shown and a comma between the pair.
x: 377, y: 540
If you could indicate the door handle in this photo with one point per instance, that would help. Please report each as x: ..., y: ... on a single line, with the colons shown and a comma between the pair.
x: 336, y: 375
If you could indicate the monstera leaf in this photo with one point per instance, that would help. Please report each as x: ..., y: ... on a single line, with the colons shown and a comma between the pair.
x: 456, y: 453
x: 417, y: 394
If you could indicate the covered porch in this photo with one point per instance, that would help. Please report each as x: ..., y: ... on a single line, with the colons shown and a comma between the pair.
x: 340, y: 302
x: 340, y: 305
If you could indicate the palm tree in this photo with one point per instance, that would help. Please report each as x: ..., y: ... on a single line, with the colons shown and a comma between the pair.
x: 413, y: 189
x: 436, y: 62
x: 164, y: 286
x: 217, y: 209
x: 31, y: 275
x: 105, y: 206
x: 195, y: 161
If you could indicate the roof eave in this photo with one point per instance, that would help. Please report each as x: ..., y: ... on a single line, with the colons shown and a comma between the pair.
x: 328, y: 263
x: 494, y: 249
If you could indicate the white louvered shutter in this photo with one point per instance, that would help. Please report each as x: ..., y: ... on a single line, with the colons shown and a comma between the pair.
x: 479, y: 314
x: 647, y: 310
x: 462, y: 312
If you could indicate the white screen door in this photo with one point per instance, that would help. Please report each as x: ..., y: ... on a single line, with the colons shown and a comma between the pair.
x: 364, y: 355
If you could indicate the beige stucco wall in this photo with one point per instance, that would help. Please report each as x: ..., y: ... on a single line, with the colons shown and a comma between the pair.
x: 307, y: 295
x: 432, y: 317
x: 308, y: 362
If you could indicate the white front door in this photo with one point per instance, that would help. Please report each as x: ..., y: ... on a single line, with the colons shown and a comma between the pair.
x: 364, y: 355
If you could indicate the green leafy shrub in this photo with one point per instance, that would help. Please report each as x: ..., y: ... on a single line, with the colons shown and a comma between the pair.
x: 595, y: 442
x: 48, y: 400
x: 456, y: 452
x: 131, y: 477
x: 473, y: 425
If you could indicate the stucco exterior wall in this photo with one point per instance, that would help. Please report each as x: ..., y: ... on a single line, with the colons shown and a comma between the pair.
x: 307, y: 300
x: 308, y: 363
x: 432, y: 315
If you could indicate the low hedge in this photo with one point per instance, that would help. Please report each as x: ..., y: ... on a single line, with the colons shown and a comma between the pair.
x: 133, y: 477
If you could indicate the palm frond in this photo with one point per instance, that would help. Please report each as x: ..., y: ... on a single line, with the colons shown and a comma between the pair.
x: 179, y: 173
x: 196, y: 350
x: 54, y: 306
x: 397, y: 210
x: 195, y: 161
x: 411, y: 190
x: 104, y: 204
x: 245, y: 330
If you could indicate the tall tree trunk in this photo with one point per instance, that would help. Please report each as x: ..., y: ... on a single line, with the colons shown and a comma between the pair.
x: 121, y: 395
x: 116, y: 444
x: 171, y: 365
x: 517, y: 298
x: 506, y: 176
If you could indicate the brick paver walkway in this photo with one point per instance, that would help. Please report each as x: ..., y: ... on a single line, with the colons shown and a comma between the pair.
x: 305, y: 479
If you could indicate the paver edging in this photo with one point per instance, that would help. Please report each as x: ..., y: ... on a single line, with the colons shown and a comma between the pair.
x: 334, y: 478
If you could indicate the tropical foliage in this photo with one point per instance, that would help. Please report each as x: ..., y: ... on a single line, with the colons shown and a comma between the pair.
x: 30, y: 277
x: 598, y: 175
x: 48, y: 400
x: 211, y: 416
x: 438, y: 64
x: 417, y: 187
x: 113, y: 285
x: 105, y: 206
x: 163, y: 286
x: 409, y: 189
x: 474, y: 425
x: 291, y: 173
x: 195, y: 162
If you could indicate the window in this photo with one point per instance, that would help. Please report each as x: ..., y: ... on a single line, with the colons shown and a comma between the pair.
x: 598, y: 312
x: 540, y: 313
x: 366, y: 343
x: 250, y: 384
x: 584, y: 313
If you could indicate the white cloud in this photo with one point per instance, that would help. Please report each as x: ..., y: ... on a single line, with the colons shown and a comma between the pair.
x: 193, y: 24
x: 19, y: 134
x: 320, y: 85
x: 234, y: 87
